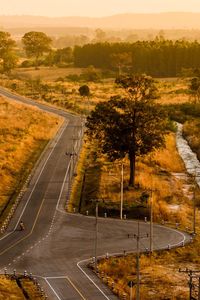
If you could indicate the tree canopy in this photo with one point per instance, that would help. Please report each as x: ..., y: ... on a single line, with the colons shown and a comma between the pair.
x: 132, y: 125
x: 158, y: 57
x: 194, y: 86
x: 36, y: 44
x: 84, y: 90
x: 7, y: 57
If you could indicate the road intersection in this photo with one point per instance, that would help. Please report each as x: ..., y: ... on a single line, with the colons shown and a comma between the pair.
x: 55, y: 245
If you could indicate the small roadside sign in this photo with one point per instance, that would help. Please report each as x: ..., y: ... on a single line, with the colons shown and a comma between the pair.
x: 131, y: 283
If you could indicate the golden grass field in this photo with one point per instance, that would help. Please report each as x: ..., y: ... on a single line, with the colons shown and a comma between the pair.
x: 24, y: 131
x: 65, y: 93
x: 153, y: 175
x: 46, y: 73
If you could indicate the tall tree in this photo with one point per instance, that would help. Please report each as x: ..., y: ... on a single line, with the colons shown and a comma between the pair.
x: 36, y: 44
x: 7, y: 56
x: 132, y: 125
x: 194, y: 86
x: 121, y: 60
x: 63, y: 56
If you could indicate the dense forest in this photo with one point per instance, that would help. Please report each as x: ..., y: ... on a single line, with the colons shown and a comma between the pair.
x: 157, y: 58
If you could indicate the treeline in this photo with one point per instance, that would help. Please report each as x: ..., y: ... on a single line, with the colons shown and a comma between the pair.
x: 156, y: 58
x: 160, y: 57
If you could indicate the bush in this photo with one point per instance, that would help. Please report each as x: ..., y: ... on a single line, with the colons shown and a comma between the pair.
x: 73, y: 77
x: 84, y: 90
x: 26, y: 64
x: 61, y: 79
x: 91, y: 74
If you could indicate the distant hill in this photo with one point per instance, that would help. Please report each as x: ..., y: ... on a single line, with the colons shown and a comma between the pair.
x: 171, y: 20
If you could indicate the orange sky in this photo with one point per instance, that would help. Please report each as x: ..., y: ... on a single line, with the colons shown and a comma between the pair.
x: 94, y: 8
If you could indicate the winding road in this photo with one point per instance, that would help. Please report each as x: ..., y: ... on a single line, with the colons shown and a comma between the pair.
x: 55, y: 245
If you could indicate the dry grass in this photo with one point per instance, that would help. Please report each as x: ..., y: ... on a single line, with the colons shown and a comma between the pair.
x: 78, y: 180
x: 46, y: 73
x: 154, y: 172
x: 66, y: 95
x: 24, y: 131
x: 173, y: 92
x: 62, y: 93
x: 31, y: 289
x: 10, y: 290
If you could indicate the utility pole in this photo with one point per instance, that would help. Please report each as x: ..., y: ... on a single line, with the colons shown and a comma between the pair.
x: 122, y: 191
x: 138, y: 264
x: 138, y: 237
x: 96, y: 232
x: 194, y: 204
x: 151, y: 223
x: 192, y: 275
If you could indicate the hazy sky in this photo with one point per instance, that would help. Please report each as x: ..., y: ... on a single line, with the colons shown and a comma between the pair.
x: 94, y: 8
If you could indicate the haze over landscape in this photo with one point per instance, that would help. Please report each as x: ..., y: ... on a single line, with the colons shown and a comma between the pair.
x: 94, y: 8
x: 127, y: 21
x: 154, y: 14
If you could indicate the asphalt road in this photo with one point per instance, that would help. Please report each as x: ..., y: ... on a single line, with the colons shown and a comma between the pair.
x: 55, y: 246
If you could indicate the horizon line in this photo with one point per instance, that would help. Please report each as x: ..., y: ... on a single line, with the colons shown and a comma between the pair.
x: 101, y: 17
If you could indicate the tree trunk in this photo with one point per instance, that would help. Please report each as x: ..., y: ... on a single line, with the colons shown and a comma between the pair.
x: 36, y: 62
x: 132, y: 169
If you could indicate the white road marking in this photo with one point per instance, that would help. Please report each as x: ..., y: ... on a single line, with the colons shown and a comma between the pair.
x: 177, y: 231
x: 52, y: 288
x: 78, y: 265
x: 56, y: 277
x: 68, y: 279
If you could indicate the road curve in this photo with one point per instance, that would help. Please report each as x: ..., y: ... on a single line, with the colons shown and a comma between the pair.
x: 55, y: 245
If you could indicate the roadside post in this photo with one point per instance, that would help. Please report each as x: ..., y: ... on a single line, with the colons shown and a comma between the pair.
x: 96, y: 201
x: 131, y: 284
